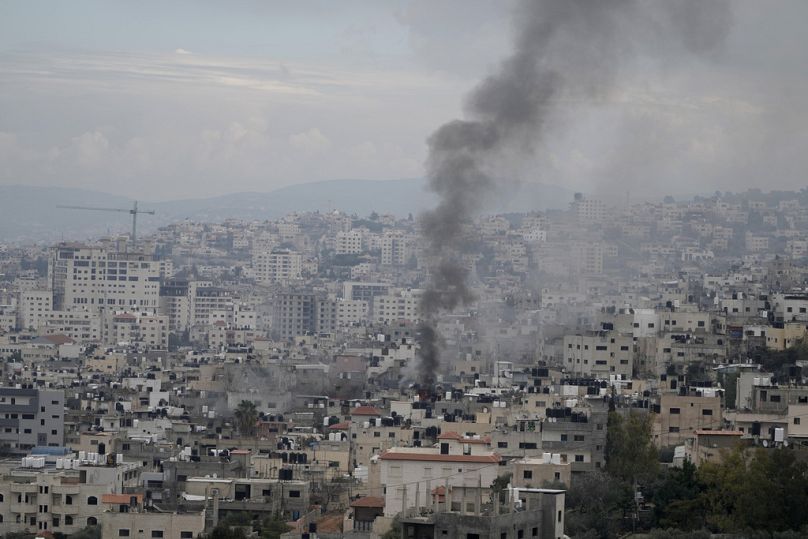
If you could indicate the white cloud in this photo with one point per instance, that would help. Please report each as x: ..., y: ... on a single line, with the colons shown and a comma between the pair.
x: 182, y: 51
x: 310, y: 141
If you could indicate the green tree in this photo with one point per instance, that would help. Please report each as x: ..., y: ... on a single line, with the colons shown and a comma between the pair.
x: 675, y: 497
x: 273, y: 527
x: 597, y: 504
x: 630, y: 454
x: 246, y: 417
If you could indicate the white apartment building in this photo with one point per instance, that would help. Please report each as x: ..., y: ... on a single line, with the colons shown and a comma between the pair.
x: 81, y: 326
x: 395, y: 249
x: 136, y: 328
x: 351, y: 311
x: 93, y: 278
x: 755, y: 243
x: 207, y: 303
x: 348, y: 242
x: 33, y: 307
x: 404, y: 305
x: 278, y: 265
x: 588, y: 210
x: 599, y: 354
x: 409, y: 474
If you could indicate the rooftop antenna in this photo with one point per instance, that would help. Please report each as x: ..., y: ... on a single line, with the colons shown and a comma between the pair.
x: 133, y: 212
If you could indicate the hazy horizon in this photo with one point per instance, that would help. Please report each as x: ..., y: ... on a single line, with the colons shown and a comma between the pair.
x: 191, y: 100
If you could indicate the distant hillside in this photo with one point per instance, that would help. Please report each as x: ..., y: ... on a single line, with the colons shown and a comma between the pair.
x: 31, y: 213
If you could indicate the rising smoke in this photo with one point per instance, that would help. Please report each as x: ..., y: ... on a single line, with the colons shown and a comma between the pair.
x: 564, y: 50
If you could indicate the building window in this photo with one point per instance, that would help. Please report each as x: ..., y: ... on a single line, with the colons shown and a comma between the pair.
x: 527, y: 474
x: 675, y: 411
x: 123, y: 532
x: 157, y: 533
x: 92, y: 500
x: 579, y: 458
x: 92, y: 521
x: 186, y: 535
x: 706, y: 412
x: 796, y: 422
x: 294, y: 494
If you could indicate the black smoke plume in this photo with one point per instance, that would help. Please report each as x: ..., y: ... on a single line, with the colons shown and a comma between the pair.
x: 564, y: 49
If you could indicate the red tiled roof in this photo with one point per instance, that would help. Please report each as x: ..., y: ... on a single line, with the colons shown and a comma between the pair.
x: 365, y: 410
x: 368, y: 501
x: 436, y: 457
x: 340, y: 426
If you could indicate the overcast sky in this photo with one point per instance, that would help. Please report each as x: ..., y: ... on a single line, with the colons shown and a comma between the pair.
x: 175, y: 99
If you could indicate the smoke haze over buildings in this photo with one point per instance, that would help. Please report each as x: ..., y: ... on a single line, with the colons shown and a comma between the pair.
x: 573, y: 49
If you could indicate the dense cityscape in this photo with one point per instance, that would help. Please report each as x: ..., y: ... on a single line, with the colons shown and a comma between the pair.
x: 264, y: 374
x: 403, y: 270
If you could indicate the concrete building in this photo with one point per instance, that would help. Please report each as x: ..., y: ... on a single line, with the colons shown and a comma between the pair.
x: 124, y: 516
x: 277, y: 265
x: 31, y: 417
x: 33, y: 308
x: 348, y: 242
x: 599, y: 354
x: 680, y: 416
x: 404, y: 305
x: 537, y: 472
x: 395, y: 249
x: 466, y: 466
x: 526, y: 513
x: 59, y: 499
x: 92, y: 278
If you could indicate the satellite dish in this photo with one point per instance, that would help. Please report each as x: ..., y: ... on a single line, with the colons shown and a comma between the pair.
x: 765, y: 443
x: 785, y: 443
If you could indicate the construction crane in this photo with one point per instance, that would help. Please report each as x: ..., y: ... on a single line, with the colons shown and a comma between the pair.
x: 133, y: 212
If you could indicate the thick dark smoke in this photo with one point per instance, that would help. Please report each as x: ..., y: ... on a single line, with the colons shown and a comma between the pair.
x: 563, y: 49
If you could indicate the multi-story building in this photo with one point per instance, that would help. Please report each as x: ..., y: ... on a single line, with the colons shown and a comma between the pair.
x: 58, y: 499
x: 136, y: 328
x: 93, y: 278
x: 599, y: 354
x: 404, y: 305
x: 395, y: 249
x: 175, y: 302
x: 33, y: 307
x: 277, y: 265
x: 295, y: 313
x: 31, y: 417
x: 681, y: 415
x: 348, y: 242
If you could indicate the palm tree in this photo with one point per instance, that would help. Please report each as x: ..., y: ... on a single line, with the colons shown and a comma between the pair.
x: 246, y: 417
